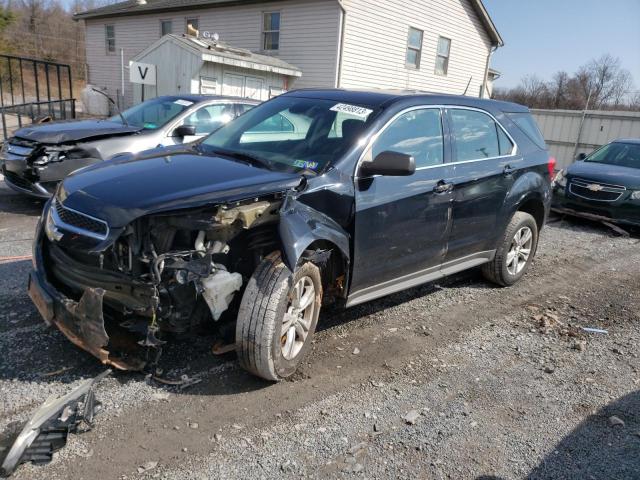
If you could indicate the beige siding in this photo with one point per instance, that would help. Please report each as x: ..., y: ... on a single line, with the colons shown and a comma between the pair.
x: 175, y: 68
x: 308, y: 38
x: 375, y: 45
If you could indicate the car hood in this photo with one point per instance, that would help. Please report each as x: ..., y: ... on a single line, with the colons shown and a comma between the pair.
x: 123, y: 189
x: 74, y: 131
x: 611, y: 174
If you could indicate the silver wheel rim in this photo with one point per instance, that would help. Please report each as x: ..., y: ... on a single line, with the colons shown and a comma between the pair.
x: 297, y: 320
x: 520, y: 250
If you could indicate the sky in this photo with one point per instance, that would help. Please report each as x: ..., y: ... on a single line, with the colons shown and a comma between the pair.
x: 544, y: 36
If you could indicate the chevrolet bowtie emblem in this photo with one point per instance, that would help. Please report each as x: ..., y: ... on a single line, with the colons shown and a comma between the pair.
x: 594, y: 187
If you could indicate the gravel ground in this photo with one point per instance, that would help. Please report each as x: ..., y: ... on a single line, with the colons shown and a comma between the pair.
x: 449, y: 380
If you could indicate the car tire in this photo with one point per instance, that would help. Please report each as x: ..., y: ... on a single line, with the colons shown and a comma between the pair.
x: 515, y: 251
x: 272, y: 333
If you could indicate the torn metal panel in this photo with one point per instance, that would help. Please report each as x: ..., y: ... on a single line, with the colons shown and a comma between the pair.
x: 48, y: 428
x: 301, y: 225
x: 81, y: 322
x: 247, y: 214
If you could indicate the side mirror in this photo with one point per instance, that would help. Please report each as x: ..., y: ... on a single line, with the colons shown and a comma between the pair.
x: 184, y: 131
x: 392, y: 164
x: 581, y: 156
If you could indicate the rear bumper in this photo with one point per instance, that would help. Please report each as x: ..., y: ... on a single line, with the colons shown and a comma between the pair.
x: 82, y: 322
x: 623, y: 212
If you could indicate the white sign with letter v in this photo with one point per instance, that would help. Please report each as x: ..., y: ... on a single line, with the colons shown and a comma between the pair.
x: 144, y: 73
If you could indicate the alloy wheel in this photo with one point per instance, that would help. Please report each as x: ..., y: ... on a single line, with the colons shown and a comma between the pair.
x: 298, y: 318
x: 520, y: 250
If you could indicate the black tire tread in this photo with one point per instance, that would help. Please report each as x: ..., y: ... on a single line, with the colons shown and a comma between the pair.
x: 257, y: 316
x: 494, y: 271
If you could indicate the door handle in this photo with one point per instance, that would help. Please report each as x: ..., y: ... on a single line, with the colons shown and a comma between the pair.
x: 443, y: 187
x: 508, y: 170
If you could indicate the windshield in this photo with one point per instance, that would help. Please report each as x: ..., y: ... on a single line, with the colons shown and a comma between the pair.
x: 292, y: 134
x: 618, y: 153
x: 154, y: 113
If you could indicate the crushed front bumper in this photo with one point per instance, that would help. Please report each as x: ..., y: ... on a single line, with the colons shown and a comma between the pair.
x: 21, y: 184
x: 39, y: 182
x: 82, y: 322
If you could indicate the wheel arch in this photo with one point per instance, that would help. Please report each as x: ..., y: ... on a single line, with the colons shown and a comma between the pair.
x: 306, y: 234
x: 530, y: 194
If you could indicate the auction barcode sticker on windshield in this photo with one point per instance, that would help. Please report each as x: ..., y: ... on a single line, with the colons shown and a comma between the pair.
x: 352, y: 109
x: 184, y: 103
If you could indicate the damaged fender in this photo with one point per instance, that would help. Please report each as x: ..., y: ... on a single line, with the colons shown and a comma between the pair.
x: 301, y: 225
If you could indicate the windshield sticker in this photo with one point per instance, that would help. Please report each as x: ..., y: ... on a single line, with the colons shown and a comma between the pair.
x: 352, y: 109
x: 184, y: 103
x: 305, y: 164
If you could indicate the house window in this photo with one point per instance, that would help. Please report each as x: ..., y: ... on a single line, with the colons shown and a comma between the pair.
x: 110, y: 38
x: 414, y: 47
x: 192, y: 26
x: 271, y: 30
x: 442, y: 56
x: 166, y: 27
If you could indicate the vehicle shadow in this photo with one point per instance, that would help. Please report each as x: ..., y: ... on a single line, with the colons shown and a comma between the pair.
x: 595, y: 448
x: 14, y: 203
x: 33, y: 352
x: 333, y: 317
x: 572, y: 223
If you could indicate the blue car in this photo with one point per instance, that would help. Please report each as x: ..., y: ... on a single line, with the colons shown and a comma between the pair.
x: 605, y: 183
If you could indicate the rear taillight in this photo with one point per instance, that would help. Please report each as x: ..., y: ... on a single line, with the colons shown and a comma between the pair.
x: 551, y: 165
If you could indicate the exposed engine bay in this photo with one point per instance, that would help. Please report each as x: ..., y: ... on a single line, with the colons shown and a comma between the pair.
x: 167, y: 273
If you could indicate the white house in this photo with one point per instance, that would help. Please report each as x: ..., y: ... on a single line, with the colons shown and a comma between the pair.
x: 429, y: 45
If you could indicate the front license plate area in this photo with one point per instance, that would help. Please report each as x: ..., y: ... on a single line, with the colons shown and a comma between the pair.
x: 42, y: 300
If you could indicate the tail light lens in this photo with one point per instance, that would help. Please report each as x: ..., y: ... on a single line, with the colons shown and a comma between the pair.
x: 551, y: 165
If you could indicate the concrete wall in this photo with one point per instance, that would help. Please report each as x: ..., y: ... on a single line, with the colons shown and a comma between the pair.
x: 375, y: 44
x: 309, y: 34
x: 560, y: 130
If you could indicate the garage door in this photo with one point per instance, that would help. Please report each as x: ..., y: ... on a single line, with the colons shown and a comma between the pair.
x: 242, y: 86
x: 233, y: 85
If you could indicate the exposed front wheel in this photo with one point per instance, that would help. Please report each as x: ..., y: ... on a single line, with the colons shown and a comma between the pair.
x: 277, y: 317
x: 515, y: 252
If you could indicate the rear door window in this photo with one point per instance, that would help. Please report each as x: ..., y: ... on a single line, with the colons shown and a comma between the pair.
x: 528, y: 125
x: 476, y: 136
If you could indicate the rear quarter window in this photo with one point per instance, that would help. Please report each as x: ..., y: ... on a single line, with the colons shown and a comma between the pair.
x: 529, y: 127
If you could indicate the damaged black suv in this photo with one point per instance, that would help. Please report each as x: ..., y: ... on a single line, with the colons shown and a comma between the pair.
x: 312, y: 198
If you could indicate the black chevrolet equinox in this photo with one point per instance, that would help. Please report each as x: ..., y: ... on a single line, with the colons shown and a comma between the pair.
x: 315, y: 197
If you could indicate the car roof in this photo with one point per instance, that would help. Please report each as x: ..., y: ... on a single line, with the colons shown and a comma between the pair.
x: 634, y: 141
x: 205, y: 98
x: 384, y: 98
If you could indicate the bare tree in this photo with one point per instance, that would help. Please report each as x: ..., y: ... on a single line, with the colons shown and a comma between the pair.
x: 603, y: 81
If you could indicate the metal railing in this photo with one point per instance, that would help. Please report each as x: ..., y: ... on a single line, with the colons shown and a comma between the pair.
x: 32, y: 89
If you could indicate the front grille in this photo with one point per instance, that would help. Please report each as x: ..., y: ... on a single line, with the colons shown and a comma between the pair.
x: 599, y: 192
x: 17, y: 180
x: 80, y: 222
